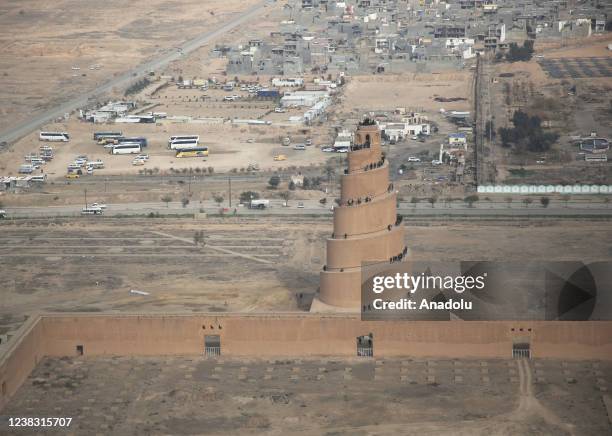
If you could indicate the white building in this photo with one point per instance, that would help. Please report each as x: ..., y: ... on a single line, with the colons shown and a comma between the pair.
x: 302, y: 98
x: 288, y: 82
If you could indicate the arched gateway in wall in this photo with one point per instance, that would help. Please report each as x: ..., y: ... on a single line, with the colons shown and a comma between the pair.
x: 366, y: 225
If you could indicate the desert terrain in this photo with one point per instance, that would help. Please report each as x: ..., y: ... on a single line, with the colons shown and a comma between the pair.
x: 49, y: 51
x: 331, y: 396
x: 244, y: 264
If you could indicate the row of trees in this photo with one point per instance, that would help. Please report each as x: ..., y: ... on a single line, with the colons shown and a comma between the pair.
x: 308, y: 183
x: 518, y: 53
x: 471, y: 199
x: 135, y: 88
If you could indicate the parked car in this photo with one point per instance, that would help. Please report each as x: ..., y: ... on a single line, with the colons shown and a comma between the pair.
x: 99, y: 205
x: 279, y: 110
x: 327, y: 149
x: 414, y: 159
x: 436, y: 162
x: 300, y: 205
x: 72, y: 176
x: 280, y: 157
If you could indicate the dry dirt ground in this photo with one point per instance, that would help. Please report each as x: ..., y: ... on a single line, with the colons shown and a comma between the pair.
x: 534, y: 91
x: 261, y: 264
x: 196, y: 395
x: 41, y: 42
x: 228, y: 148
x: 412, y: 91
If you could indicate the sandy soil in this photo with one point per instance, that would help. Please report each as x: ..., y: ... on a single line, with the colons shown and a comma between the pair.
x: 188, y: 395
x: 41, y: 42
x: 412, y: 91
x: 78, y: 265
x: 227, y: 144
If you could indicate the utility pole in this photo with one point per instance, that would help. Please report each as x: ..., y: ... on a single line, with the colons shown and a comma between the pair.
x: 229, y: 182
x: 85, y: 192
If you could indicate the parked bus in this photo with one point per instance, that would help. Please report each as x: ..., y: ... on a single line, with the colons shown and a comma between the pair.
x: 596, y: 158
x: 138, y: 139
x: 26, y: 169
x: 182, y: 144
x: 39, y: 178
x: 126, y: 148
x: 192, y: 152
x: 172, y: 139
x: 100, y: 135
x: 91, y: 211
x: 54, y: 136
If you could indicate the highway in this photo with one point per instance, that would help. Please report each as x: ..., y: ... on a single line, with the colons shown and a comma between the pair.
x: 313, y: 207
x: 26, y: 127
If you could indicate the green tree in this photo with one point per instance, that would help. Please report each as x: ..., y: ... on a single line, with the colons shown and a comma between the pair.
x: 509, y: 201
x: 218, y: 199
x: 166, y: 199
x: 247, y: 196
x: 274, y: 182
x: 527, y: 201
x: 432, y: 200
x: 471, y: 199
x: 184, y: 201
x: 544, y: 201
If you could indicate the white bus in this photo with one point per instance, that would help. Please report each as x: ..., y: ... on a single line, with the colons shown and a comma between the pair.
x: 183, y: 138
x: 54, y: 136
x: 183, y: 144
x: 39, y: 178
x: 596, y: 158
x: 99, y: 135
x: 126, y: 148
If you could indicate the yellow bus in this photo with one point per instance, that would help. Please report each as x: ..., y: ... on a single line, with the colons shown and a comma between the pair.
x: 193, y: 152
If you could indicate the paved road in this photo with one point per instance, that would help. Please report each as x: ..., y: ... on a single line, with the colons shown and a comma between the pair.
x: 312, y: 207
x: 126, y: 78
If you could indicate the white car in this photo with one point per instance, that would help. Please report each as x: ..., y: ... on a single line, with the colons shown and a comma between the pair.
x: 436, y: 162
x: 414, y: 138
x: 414, y: 159
x: 300, y: 205
x: 342, y: 150
x: 279, y: 110
x: 327, y: 149
x: 98, y: 205
x: 142, y: 156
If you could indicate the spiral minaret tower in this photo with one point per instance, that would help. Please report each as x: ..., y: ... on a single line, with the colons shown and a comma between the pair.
x: 366, y: 225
